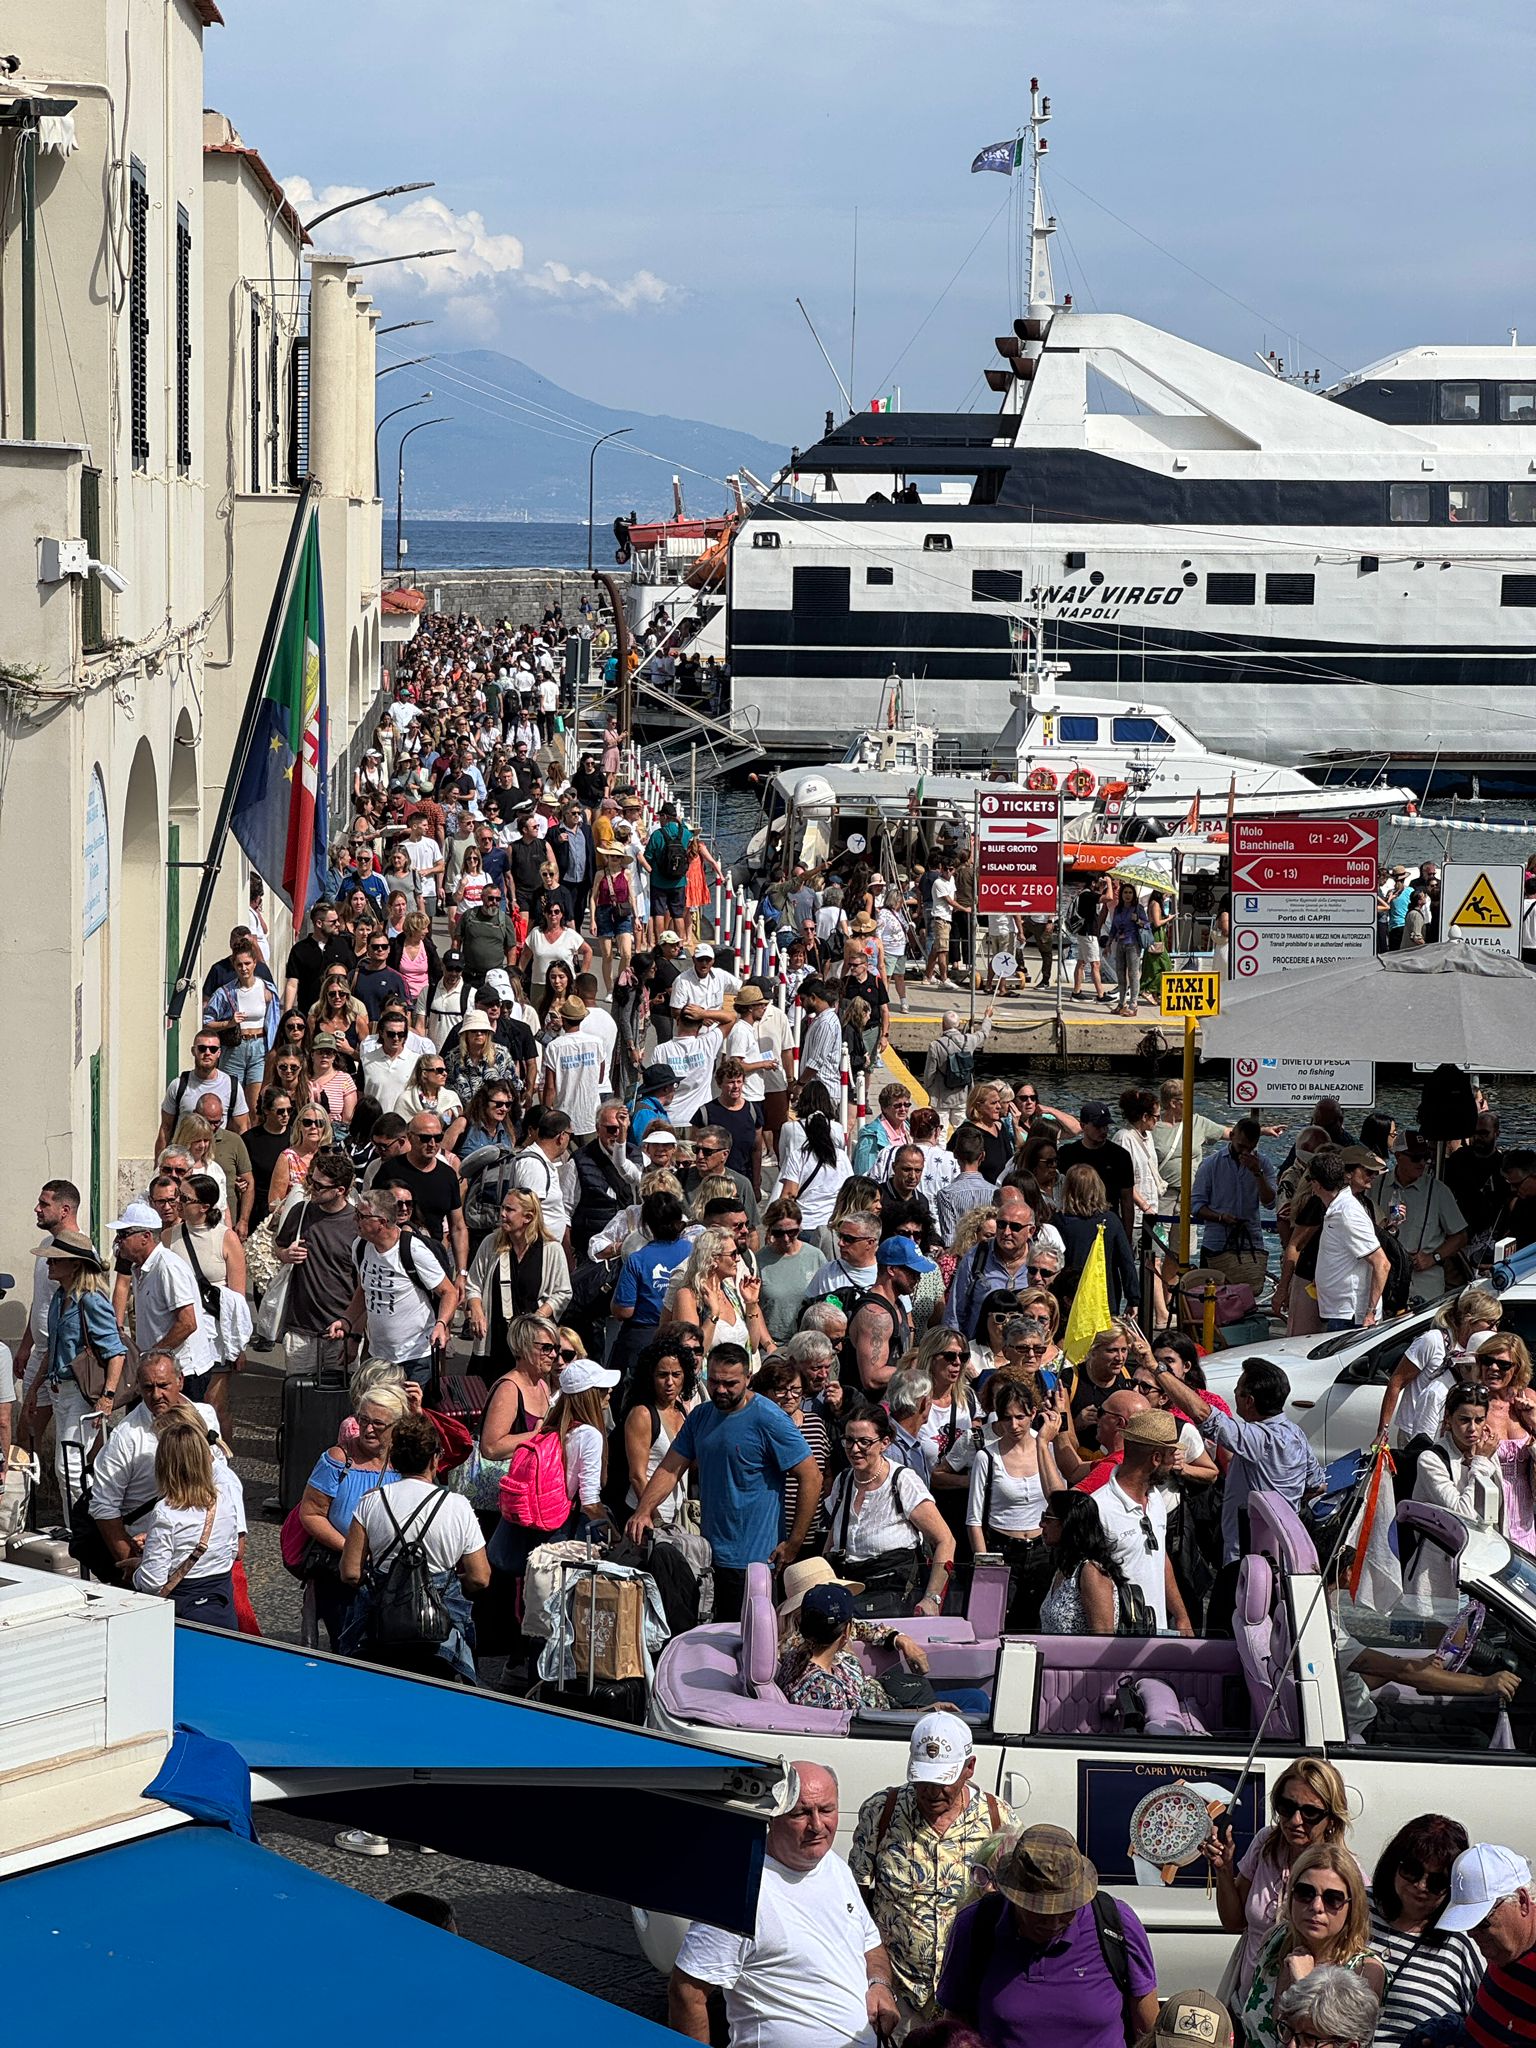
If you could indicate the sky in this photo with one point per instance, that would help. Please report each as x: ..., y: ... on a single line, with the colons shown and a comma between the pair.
x: 639, y: 193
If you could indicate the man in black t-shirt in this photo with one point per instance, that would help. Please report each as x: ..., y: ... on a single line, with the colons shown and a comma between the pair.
x: 1112, y: 1163
x: 310, y: 956
x: 438, y: 1213
x: 315, y: 1240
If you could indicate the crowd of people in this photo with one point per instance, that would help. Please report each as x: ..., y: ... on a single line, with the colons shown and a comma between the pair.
x: 504, y: 1113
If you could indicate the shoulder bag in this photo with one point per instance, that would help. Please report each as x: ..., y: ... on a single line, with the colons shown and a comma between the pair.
x: 194, y: 1556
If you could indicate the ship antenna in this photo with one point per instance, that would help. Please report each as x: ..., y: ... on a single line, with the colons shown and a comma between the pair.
x: 1041, y: 297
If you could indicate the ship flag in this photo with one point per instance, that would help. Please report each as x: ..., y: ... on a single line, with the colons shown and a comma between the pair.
x: 1000, y: 156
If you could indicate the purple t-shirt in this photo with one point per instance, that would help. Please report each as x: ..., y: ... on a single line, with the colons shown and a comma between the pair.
x: 1061, y: 1996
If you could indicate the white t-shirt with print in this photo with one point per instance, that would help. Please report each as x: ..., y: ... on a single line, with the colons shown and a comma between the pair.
x: 400, y: 1314
x: 580, y: 1067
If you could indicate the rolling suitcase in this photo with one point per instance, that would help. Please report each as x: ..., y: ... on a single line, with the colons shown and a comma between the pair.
x: 314, y: 1407
x: 43, y: 1550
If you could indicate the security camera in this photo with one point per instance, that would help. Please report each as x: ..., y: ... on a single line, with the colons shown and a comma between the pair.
x: 114, y: 579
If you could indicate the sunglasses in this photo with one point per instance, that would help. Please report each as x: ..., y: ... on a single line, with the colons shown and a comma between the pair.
x: 1311, y: 1895
x: 955, y: 1357
x: 1420, y: 1873
x: 1148, y: 1387
x: 1013, y: 1223
x: 499, y: 1103
x: 568, y: 1357
x: 861, y: 1443
x: 785, y: 1230
x: 1288, y: 1809
x: 428, y: 1137
x: 1021, y: 1096
x: 1027, y: 1344
x: 311, y: 1123
x: 543, y: 1344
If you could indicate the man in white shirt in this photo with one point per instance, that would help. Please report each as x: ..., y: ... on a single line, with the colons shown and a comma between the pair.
x: 539, y: 1167
x: 575, y: 1069
x: 1352, y: 1268
x: 123, y: 1476
x: 599, y: 1024
x: 757, y: 1039
x: 706, y: 988
x: 167, y: 1310
x: 691, y: 1054
x: 1134, y: 1511
x: 813, y: 1973
x: 426, y: 857
x: 387, y: 1075
x: 403, y: 1311
x: 821, y: 1043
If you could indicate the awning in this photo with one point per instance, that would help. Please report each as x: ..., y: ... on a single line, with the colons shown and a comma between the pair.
x: 254, y: 1947
x: 678, y: 1827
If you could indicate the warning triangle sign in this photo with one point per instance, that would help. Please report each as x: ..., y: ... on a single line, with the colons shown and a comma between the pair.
x: 1481, y: 909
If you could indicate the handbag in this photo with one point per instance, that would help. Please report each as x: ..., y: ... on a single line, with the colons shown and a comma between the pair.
x: 262, y: 1265
x: 274, y: 1295
x: 908, y: 1689
x: 194, y: 1556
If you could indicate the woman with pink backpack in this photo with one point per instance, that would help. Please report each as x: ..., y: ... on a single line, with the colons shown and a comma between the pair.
x: 555, y: 1478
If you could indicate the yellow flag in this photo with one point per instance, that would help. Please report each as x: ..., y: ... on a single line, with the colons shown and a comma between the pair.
x: 1090, y: 1305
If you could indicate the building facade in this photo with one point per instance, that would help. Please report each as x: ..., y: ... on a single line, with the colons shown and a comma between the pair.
x: 153, y: 427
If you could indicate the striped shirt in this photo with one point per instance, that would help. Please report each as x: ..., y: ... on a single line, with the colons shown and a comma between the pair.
x: 1504, y: 2010
x: 1429, y: 1977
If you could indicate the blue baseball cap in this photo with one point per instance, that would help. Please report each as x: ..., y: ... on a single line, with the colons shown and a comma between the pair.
x: 901, y: 1251
x: 832, y: 1604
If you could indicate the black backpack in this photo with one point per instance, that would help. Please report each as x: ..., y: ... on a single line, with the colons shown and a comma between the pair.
x: 959, y: 1068
x: 1394, y: 1296
x: 407, y: 1611
x: 671, y: 862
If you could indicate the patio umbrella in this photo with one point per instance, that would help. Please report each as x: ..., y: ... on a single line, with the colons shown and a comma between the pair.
x: 1447, y: 1002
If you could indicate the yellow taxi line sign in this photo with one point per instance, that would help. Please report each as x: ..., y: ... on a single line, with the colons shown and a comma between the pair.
x: 1191, y: 995
x: 1482, y: 909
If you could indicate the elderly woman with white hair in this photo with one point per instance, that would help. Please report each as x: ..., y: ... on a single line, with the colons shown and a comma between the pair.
x: 1331, y: 2006
x: 954, y: 1043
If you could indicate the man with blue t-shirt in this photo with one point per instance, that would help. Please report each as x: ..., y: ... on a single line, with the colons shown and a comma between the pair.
x: 741, y: 1446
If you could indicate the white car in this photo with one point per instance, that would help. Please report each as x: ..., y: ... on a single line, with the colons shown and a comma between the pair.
x: 1338, y: 1378
x: 1135, y: 1743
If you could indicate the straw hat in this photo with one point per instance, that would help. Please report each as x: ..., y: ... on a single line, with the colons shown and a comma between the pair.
x: 799, y: 1578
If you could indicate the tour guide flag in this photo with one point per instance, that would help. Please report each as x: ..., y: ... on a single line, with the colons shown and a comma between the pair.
x: 279, y: 815
x: 1090, y: 1304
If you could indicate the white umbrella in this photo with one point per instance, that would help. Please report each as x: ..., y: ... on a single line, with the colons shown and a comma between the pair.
x: 1449, y: 1002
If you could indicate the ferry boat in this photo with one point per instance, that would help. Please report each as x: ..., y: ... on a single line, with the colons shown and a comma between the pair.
x: 1290, y: 570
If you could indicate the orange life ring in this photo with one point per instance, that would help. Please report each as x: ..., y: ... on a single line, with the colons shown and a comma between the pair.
x: 1040, y: 779
x: 1080, y: 782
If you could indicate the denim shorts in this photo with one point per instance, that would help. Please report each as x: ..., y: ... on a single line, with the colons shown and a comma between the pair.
x: 613, y: 923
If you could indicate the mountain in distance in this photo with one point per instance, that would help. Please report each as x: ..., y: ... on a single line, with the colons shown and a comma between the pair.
x: 498, y: 460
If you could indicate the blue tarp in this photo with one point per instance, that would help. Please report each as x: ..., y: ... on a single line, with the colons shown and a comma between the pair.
x: 584, y: 1803
x: 251, y: 1949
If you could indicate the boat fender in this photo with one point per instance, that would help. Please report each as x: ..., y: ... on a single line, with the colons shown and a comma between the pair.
x: 1080, y: 782
x: 1041, y: 778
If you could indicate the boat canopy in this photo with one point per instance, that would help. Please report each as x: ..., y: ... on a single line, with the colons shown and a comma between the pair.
x: 198, y: 1920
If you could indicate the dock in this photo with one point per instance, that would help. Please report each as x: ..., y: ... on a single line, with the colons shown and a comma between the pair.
x: 1026, y: 1026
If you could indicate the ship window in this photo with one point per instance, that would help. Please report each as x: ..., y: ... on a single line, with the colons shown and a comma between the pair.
x: 1517, y: 403
x: 1077, y: 732
x: 1522, y: 504
x: 1519, y: 590
x: 879, y: 575
x: 820, y: 593
x: 997, y: 586
x: 937, y: 544
x: 1461, y: 403
x: 1229, y: 589
x: 1468, y: 504
x: 1408, y: 504
x: 1140, y: 732
x: 1288, y: 587
x: 765, y: 540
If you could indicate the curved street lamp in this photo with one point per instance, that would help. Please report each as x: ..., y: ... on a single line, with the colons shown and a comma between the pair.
x: 591, y: 473
x: 389, y: 192
x: 410, y: 406
x: 400, y: 475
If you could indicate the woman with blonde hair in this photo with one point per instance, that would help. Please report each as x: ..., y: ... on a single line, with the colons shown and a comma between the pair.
x: 194, y: 1136
x: 309, y: 1133
x: 1310, y: 1810
x: 339, y: 1012
x: 86, y: 1356
x: 339, y: 1481
x: 196, y: 1529
x: 1082, y: 1208
x: 415, y: 960
x: 1327, y: 1922
x: 717, y: 1298
x: 714, y: 1187
x: 1504, y: 1367
x: 518, y: 1270
x: 1415, y: 1397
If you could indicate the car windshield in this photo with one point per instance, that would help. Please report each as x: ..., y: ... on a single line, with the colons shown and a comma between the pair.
x: 1519, y: 1576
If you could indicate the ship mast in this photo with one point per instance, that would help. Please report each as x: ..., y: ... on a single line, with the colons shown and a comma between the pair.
x: 1040, y: 297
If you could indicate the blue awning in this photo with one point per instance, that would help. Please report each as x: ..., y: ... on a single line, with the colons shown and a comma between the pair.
x: 250, y: 1948
x: 677, y: 1827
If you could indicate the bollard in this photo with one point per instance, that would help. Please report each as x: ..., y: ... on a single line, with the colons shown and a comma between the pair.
x: 1208, y: 1317
x: 715, y: 909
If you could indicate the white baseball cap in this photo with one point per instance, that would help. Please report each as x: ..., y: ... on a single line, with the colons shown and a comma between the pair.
x: 138, y: 1216
x: 584, y: 1373
x: 1480, y: 1877
x: 941, y: 1749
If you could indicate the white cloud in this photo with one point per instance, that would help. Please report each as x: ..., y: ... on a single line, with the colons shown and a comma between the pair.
x: 483, y: 264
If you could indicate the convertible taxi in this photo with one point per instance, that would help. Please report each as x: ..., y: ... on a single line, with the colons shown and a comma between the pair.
x: 1138, y: 1743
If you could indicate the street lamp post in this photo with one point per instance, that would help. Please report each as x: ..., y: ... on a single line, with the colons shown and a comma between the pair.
x: 400, y: 476
x: 388, y: 192
x: 425, y: 399
x: 591, y: 476
x: 410, y: 363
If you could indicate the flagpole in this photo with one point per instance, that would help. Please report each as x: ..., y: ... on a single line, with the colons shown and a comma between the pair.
x: 213, y: 861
